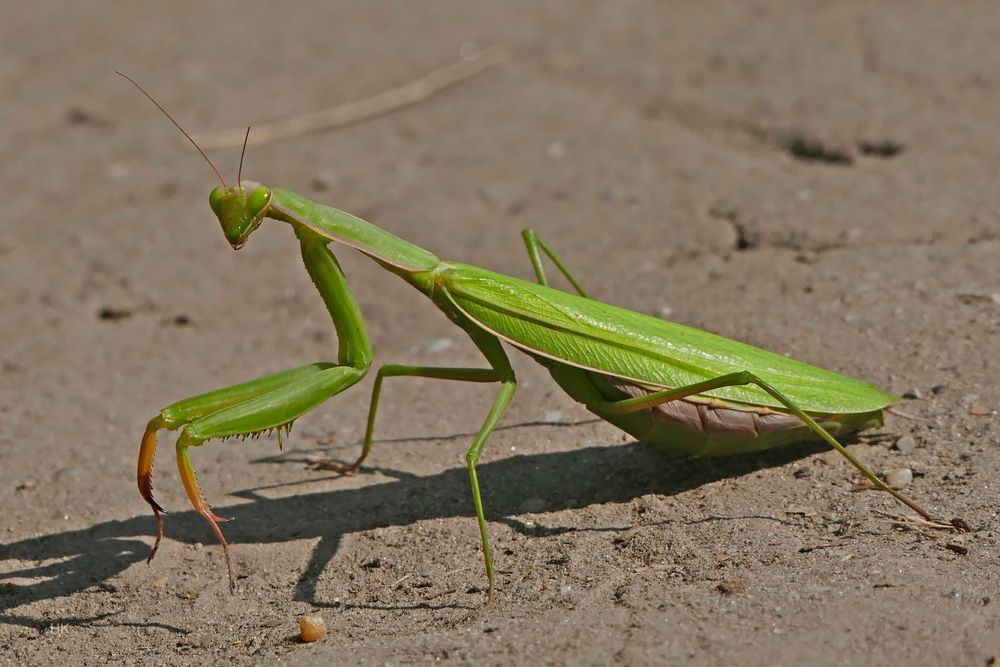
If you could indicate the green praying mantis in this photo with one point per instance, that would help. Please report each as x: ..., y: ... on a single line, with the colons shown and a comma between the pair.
x: 664, y: 383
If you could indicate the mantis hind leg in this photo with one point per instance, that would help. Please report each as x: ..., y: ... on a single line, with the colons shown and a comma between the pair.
x: 536, y: 246
x: 396, y: 370
x: 746, y: 377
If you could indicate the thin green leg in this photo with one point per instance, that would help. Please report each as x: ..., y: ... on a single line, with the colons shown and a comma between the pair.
x: 396, y: 370
x: 492, y: 350
x: 743, y: 378
x: 501, y: 372
x: 534, y: 243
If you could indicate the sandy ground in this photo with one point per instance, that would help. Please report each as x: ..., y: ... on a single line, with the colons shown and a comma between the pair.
x: 818, y: 180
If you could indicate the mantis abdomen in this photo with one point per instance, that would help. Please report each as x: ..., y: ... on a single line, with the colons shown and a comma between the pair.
x: 700, y: 425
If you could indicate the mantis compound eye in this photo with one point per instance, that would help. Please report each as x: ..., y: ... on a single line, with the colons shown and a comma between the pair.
x: 215, y: 200
x: 259, y: 200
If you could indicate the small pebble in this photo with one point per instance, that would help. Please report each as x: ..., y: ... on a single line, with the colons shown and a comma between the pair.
x: 957, y: 547
x: 905, y: 445
x: 312, y: 628
x: 323, y: 181
x: 979, y: 410
x: 938, y: 389
x: 469, y: 51
x: 439, y: 345
x: 109, y: 313
x: 913, y: 393
x: 732, y: 587
x: 899, y: 477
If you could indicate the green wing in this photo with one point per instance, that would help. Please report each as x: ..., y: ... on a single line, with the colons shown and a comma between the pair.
x: 600, y: 337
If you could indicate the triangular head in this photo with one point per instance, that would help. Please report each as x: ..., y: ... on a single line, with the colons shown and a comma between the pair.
x: 240, y: 211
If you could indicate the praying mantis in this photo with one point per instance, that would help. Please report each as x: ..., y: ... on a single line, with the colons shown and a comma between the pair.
x: 664, y: 383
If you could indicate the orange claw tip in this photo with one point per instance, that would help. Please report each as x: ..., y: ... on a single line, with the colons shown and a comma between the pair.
x: 146, y: 490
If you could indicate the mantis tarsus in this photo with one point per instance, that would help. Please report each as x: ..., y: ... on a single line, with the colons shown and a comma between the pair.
x: 664, y: 383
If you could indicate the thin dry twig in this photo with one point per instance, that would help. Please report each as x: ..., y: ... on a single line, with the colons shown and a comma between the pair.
x: 354, y: 111
x: 911, y: 521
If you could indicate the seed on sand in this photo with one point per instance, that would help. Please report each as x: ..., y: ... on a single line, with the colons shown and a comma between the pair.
x: 312, y: 628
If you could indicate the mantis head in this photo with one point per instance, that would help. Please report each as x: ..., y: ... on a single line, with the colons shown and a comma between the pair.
x: 240, y: 210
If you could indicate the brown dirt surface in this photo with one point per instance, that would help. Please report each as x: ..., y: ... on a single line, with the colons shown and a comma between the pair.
x: 814, y: 178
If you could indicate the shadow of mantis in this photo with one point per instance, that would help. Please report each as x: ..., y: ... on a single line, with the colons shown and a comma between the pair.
x: 72, y: 561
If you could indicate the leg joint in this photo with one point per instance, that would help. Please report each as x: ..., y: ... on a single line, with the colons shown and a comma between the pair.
x: 188, y: 439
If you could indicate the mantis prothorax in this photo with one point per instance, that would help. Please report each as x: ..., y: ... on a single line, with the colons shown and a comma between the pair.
x: 662, y: 382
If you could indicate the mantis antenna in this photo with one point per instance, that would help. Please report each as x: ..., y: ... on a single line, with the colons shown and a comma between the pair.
x: 239, y: 172
x: 178, y: 126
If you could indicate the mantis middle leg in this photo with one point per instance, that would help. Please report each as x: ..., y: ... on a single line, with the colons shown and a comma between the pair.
x: 397, y: 370
x: 501, y: 372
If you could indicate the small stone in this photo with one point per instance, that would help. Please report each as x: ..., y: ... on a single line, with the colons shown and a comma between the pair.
x: 438, y: 345
x: 71, y: 472
x: 897, y: 478
x: 905, y: 445
x: 803, y: 510
x: 958, y: 548
x: 323, y: 181
x: 312, y: 628
x: 970, y: 298
x: 913, y: 394
x: 979, y: 410
x: 732, y: 587
x: 938, y: 389
x: 469, y: 51
x: 111, y: 314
